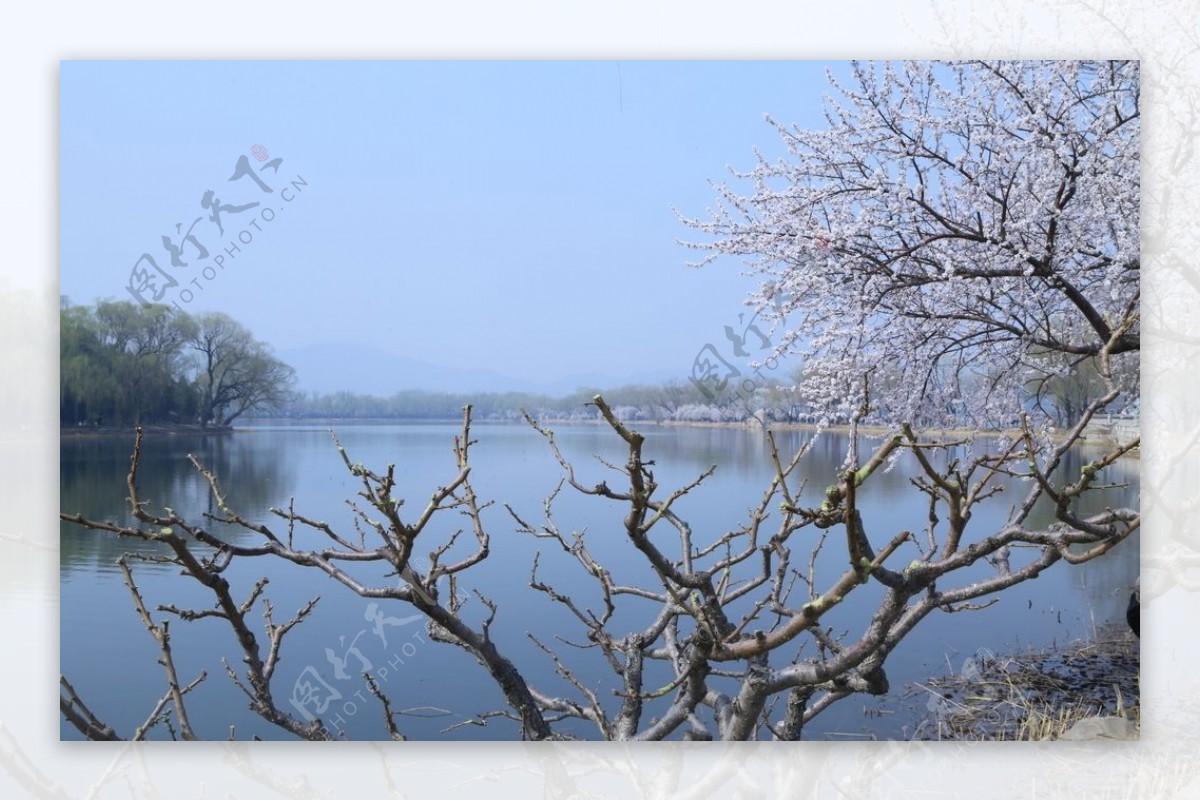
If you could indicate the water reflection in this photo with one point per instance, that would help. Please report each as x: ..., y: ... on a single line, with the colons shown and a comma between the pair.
x: 261, y: 468
x: 93, y: 473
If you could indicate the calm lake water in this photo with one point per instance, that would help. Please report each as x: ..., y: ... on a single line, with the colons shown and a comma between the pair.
x: 111, y: 659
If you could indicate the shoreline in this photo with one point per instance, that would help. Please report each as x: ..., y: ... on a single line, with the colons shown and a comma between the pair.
x: 1035, y: 694
x: 169, y: 429
x: 867, y: 430
x: 870, y: 431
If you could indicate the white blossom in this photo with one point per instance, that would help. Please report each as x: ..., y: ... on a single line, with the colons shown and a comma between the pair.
x: 958, y: 231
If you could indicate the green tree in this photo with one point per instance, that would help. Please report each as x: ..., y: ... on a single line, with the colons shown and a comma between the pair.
x: 146, y: 348
x: 236, y: 373
x: 87, y: 389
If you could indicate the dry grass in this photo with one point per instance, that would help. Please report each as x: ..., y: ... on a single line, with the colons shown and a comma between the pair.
x: 1037, y: 696
x: 1047, y: 723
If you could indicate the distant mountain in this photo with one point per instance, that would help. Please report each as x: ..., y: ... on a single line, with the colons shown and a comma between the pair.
x: 332, y: 367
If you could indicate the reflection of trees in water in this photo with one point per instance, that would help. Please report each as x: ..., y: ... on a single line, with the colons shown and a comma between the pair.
x: 93, y: 473
x: 1106, y: 583
x: 747, y: 450
x: 1095, y: 590
x: 256, y: 472
x: 1101, y: 586
x: 251, y: 466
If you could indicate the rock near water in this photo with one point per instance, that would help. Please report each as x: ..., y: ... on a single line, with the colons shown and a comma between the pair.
x: 1106, y: 728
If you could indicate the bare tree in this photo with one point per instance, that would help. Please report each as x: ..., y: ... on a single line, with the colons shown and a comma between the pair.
x: 728, y: 616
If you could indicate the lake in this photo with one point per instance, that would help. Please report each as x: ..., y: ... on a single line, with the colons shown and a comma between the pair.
x: 110, y: 658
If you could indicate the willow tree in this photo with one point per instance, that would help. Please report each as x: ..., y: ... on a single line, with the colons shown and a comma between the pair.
x: 122, y: 363
x: 972, y: 226
x: 235, y: 372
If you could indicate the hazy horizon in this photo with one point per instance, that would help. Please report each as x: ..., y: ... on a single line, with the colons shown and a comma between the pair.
x: 334, y: 366
x: 513, y: 218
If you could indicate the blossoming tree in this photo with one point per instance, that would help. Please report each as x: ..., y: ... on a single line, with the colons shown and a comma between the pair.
x: 963, y: 231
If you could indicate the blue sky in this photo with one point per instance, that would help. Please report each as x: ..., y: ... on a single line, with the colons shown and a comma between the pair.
x: 511, y: 216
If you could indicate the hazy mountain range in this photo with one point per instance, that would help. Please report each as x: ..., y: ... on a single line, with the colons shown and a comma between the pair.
x: 332, y: 366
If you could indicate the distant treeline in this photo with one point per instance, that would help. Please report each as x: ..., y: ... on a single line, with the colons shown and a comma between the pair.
x: 122, y: 364
x: 679, y: 401
x: 126, y: 364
